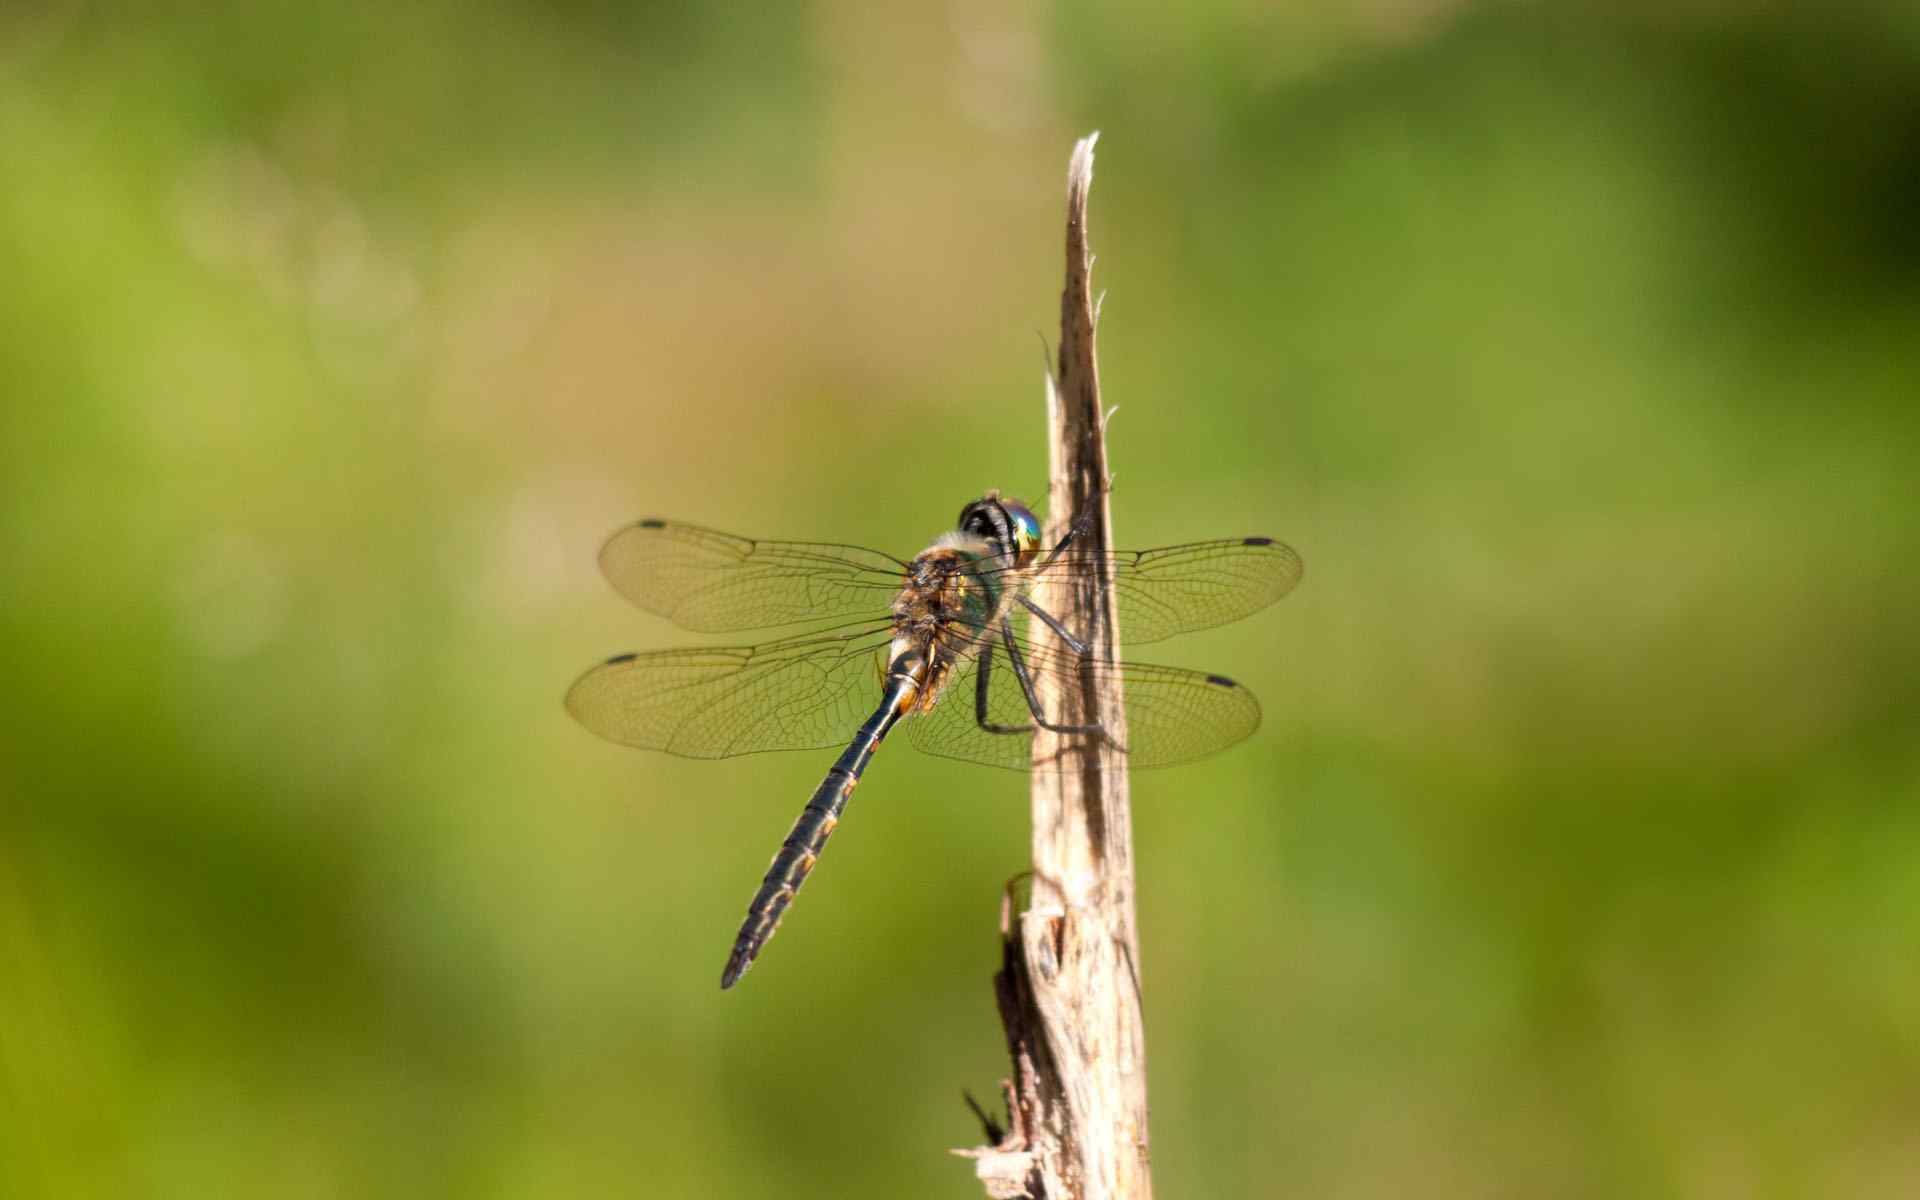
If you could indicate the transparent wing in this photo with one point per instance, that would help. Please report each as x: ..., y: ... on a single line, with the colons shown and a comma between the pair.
x: 801, y: 693
x: 1178, y: 589
x: 1173, y: 715
x: 717, y: 583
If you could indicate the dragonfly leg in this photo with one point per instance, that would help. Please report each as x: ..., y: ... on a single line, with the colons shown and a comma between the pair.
x: 1079, y: 527
x: 980, y: 698
x: 1026, y: 687
x: 1052, y: 622
x: 1073, y: 643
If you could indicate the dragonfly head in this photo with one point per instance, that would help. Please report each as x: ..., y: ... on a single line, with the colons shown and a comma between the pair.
x: 1004, y: 522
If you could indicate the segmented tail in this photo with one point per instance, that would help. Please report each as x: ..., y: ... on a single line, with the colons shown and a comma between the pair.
x: 810, y: 832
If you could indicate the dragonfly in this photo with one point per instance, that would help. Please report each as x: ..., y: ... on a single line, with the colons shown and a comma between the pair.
x: 880, y: 641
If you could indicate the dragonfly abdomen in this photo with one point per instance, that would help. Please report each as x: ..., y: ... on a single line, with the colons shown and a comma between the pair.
x: 815, y: 825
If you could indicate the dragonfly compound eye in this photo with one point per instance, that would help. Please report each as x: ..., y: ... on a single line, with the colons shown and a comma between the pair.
x: 1025, y: 527
x: 987, y: 519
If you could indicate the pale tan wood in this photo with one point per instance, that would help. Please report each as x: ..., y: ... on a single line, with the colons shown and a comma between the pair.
x: 1069, y: 989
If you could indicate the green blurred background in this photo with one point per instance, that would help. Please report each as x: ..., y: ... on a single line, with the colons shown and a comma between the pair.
x: 1576, y: 347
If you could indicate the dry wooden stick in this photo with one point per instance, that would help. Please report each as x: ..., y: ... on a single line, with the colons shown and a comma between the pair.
x: 1069, y: 986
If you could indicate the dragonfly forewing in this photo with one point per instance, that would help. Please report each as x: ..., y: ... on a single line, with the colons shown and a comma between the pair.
x: 713, y: 582
x: 1180, y: 589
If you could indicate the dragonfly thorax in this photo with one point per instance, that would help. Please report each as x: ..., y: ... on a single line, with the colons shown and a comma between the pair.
x: 947, y: 605
x: 947, y: 596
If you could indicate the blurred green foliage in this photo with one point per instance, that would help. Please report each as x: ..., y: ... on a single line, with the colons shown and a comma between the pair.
x: 1574, y: 346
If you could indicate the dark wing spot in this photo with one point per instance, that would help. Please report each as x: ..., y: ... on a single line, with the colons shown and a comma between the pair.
x: 617, y: 659
x: 653, y: 523
x: 1215, y: 680
x: 1249, y: 541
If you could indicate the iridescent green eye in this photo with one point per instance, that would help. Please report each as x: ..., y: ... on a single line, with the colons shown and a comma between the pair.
x: 1026, y: 527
